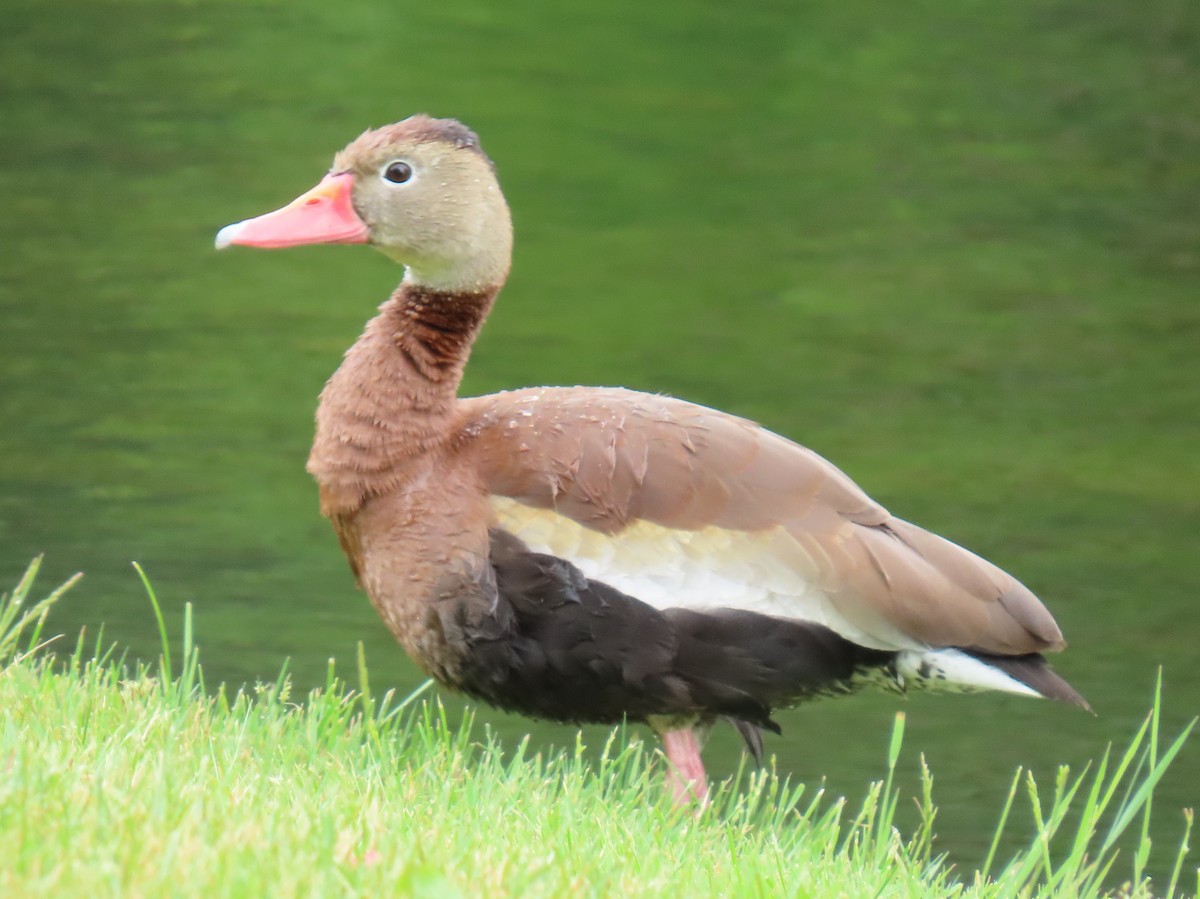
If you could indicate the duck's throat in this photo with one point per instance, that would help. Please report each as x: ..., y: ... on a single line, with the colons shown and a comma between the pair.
x: 392, y: 400
x: 434, y: 329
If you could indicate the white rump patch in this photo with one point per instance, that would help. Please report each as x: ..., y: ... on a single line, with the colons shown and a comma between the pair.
x: 955, y: 671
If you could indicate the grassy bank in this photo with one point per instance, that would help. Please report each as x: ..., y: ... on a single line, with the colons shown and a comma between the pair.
x: 123, y: 780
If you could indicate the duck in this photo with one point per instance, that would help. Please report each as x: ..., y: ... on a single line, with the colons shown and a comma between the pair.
x: 601, y: 555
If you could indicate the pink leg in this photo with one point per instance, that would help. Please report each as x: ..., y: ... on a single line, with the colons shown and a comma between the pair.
x: 686, y: 776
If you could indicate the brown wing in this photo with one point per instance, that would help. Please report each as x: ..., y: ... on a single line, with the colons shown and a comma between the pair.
x: 608, y: 458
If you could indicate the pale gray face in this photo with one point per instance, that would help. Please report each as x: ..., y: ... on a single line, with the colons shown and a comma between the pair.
x: 432, y: 205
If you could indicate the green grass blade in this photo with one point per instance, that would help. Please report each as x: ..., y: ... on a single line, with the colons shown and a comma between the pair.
x: 1184, y: 847
x: 1145, y: 789
x: 14, y: 621
x: 168, y: 676
x: 999, y: 832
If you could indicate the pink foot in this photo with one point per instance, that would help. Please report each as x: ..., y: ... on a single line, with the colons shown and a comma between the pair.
x: 685, y: 777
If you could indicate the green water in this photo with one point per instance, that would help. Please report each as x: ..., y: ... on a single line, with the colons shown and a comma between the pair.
x: 955, y: 249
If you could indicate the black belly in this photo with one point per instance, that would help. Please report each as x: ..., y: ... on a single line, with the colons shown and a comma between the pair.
x: 550, y: 643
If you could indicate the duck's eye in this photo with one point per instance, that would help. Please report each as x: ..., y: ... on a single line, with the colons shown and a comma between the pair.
x: 397, y: 172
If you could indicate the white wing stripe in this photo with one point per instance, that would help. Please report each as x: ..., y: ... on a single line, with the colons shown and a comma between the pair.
x: 764, y: 571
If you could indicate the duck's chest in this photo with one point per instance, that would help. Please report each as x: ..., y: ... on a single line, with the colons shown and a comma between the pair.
x: 421, y: 555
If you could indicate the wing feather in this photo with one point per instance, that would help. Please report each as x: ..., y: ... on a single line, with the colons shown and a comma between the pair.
x: 612, y: 459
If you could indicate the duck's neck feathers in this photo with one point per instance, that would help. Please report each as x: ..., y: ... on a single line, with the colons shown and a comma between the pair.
x: 392, y: 399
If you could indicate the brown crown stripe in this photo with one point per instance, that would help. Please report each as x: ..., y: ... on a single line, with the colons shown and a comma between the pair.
x: 418, y: 129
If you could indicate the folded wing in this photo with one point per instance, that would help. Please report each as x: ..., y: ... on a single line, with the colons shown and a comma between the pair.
x: 684, y: 506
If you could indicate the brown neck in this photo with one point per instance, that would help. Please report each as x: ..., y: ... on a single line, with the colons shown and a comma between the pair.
x: 393, y: 397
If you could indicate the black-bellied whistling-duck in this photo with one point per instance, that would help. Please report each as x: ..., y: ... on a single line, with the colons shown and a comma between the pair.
x: 589, y: 555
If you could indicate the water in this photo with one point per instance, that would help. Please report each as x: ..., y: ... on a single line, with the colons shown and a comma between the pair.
x: 954, y: 254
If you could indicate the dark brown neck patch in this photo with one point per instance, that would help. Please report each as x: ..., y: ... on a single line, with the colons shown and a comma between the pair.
x: 435, y: 329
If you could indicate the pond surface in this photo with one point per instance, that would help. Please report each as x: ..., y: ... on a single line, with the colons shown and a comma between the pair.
x: 957, y: 254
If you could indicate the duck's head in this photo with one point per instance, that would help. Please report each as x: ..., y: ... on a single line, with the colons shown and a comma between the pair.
x: 422, y: 191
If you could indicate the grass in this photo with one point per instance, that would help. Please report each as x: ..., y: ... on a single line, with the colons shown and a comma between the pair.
x: 139, y: 780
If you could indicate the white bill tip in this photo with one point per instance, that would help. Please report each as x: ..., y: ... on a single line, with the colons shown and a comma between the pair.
x: 228, y: 235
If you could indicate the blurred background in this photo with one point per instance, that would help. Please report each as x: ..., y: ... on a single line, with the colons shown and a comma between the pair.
x: 955, y: 248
